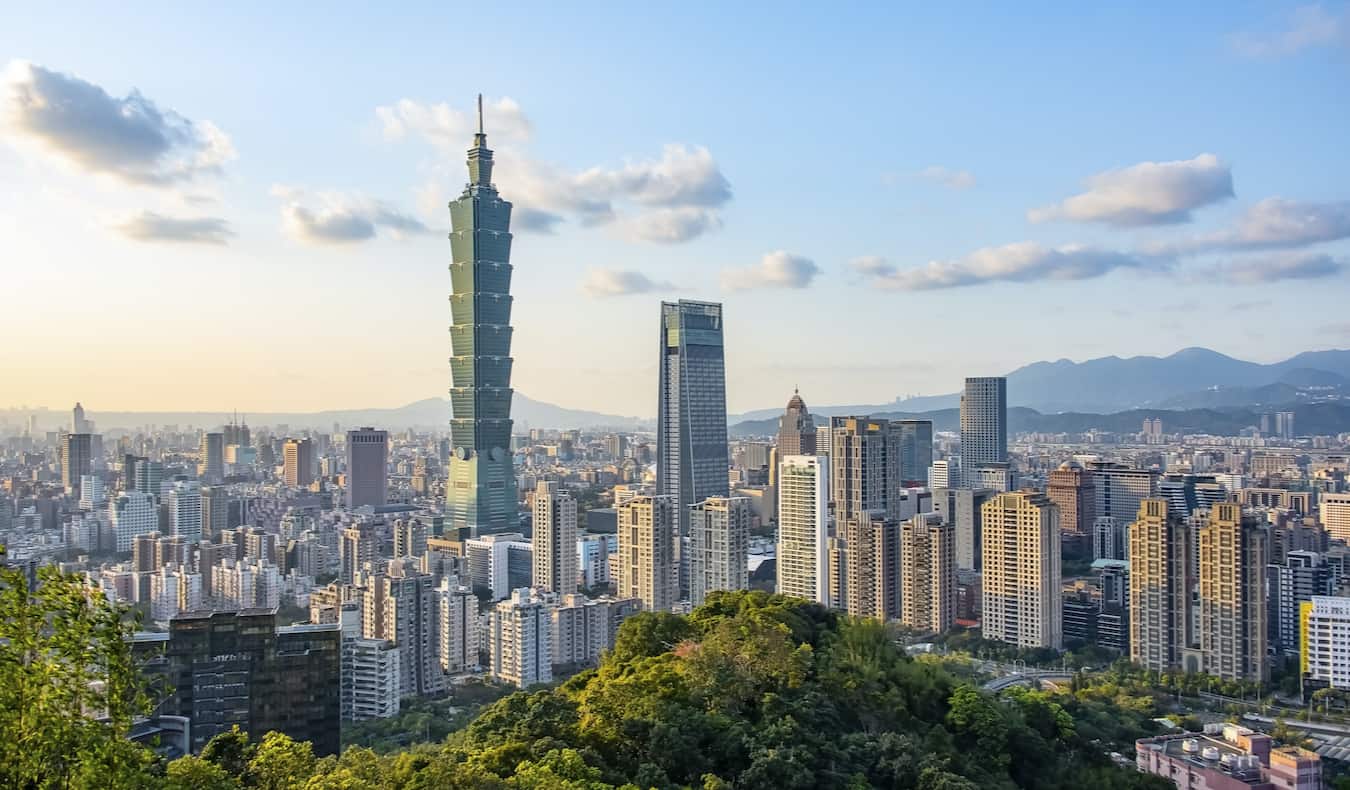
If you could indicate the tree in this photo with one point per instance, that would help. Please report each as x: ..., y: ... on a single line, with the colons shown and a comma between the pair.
x: 69, y: 689
x: 280, y: 763
x: 194, y: 773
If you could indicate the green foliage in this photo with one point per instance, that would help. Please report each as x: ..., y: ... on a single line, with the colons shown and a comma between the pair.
x: 69, y: 690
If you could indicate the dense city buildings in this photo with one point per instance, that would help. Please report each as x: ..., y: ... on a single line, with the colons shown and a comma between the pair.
x: 803, y: 527
x: 1228, y: 757
x: 1021, y: 571
x: 1335, y: 513
x: 367, y: 468
x: 719, y: 541
x: 555, y: 539
x: 480, y: 494
x: 984, y: 425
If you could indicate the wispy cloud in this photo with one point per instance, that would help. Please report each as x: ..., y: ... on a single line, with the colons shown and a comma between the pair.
x: 872, y: 266
x: 340, y: 218
x: 1020, y: 262
x: 153, y: 227
x: 1309, y: 27
x: 1149, y: 193
x: 602, y: 282
x: 1275, y: 269
x: 947, y: 177
x: 673, y: 198
x: 130, y: 138
x: 1273, y: 223
x: 779, y: 269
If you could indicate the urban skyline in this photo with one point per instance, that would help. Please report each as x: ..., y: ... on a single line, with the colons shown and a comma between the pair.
x: 997, y: 215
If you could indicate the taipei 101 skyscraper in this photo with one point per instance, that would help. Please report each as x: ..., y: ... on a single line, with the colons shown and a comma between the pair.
x: 481, y: 487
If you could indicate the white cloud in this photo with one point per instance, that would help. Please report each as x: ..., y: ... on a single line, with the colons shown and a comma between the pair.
x: 1149, y: 193
x: 341, y: 218
x: 670, y: 199
x: 872, y: 266
x: 620, y: 282
x: 1277, y: 223
x: 154, y: 227
x: 778, y: 269
x: 1270, y: 270
x: 1020, y: 262
x: 130, y: 138
x: 952, y: 179
x: 1310, y: 26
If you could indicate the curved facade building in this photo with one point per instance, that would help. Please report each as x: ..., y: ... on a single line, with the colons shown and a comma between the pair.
x: 481, y: 485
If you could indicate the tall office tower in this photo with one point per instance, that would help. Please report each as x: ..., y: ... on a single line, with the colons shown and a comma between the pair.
x: 1021, y: 577
x: 76, y: 461
x: 691, y: 427
x: 1300, y: 576
x: 1070, y: 488
x: 356, y: 546
x: 1325, y: 643
x: 404, y: 608
x: 520, y: 640
x: 1110, y: 539
x: 1233, y: 550
x: 185, y: 510
x: 480, y: 492
x: 803, y: 527
x: 78, y: 424
x: 928, y: 573
x: 944, y: 474
x: 1160, y: 587
x: 298, y: 463
x: 236, y: 433
x: 133, y: 513
x: 647, y: 561
x: 555, y: 539
x: 215, y: 511
x: 222, y: 669
x: 149, y: 476
x: 719, y: 546
x: 1186, y: 494
x: 211, y: 458
x: 961, y: 507
x: 865, y: 469
x: 410, y: 538
x: 1334, y: 512
x: 92, y: 495
x: 984, y: 425
x: 367, y: 467
x: 872, y: 567
x: 796, y: 429
x: 916, y: 451
x: 1118, y: 490
x: 458, y: 628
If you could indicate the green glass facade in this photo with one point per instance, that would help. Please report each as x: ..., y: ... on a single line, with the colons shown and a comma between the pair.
x: 481, y: 485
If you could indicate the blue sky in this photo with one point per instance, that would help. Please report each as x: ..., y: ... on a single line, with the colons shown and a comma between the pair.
x: 283, y: 247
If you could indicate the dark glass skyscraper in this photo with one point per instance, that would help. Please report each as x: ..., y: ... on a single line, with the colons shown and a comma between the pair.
x: 481, y: 486
x: 691, y: 430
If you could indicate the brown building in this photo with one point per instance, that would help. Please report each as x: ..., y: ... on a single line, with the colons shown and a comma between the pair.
x: 796, y: 429
x: 872, y: 568
x: 1070, y: 487
x: 1160, y: 584
x: 928, y: 573
x: 1233, y: 550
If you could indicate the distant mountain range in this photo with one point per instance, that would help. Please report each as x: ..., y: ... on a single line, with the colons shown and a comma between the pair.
x: 429, y: 413
x: 1193, y: 378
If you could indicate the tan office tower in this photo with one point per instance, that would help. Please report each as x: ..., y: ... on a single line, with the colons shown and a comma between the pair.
x: 555, y: 539
x: 298, y: 463
x: 1070, y: 488
x: 1233, y: 551
x: 803, y: 527
x: 864, y: 467
x: 648, y: 565
x: 872, y: 568
x: 1021, y: 580
x: 796, y: 429
x: 719, y: 546
x: 76, y: 460
x: 1160, y: 584
x: 1334, y: 510
x: 928, y: 573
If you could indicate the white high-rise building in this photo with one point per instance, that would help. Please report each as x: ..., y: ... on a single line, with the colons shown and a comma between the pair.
x: 133, y: 513
x: 583, y: 628
x: 648, y: 559
x: 1021, y: 575
x: 555, y: 539
x: 370, y: 671
x: 719, y: 546
x: 944, y: 474
x: 92, y: 496
x: 1335, y: 514
x: 1326, y: 641
x: 185, y: 510
x: 520, y: 639
x: 803, y: 527
x: 247, y: 584
x: 593, y: 558
x: 458, y: 628
x: 174, y: 590
x: 501, y: 562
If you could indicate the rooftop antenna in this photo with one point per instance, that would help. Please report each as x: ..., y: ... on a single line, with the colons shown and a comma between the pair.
x: 480, y: 113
